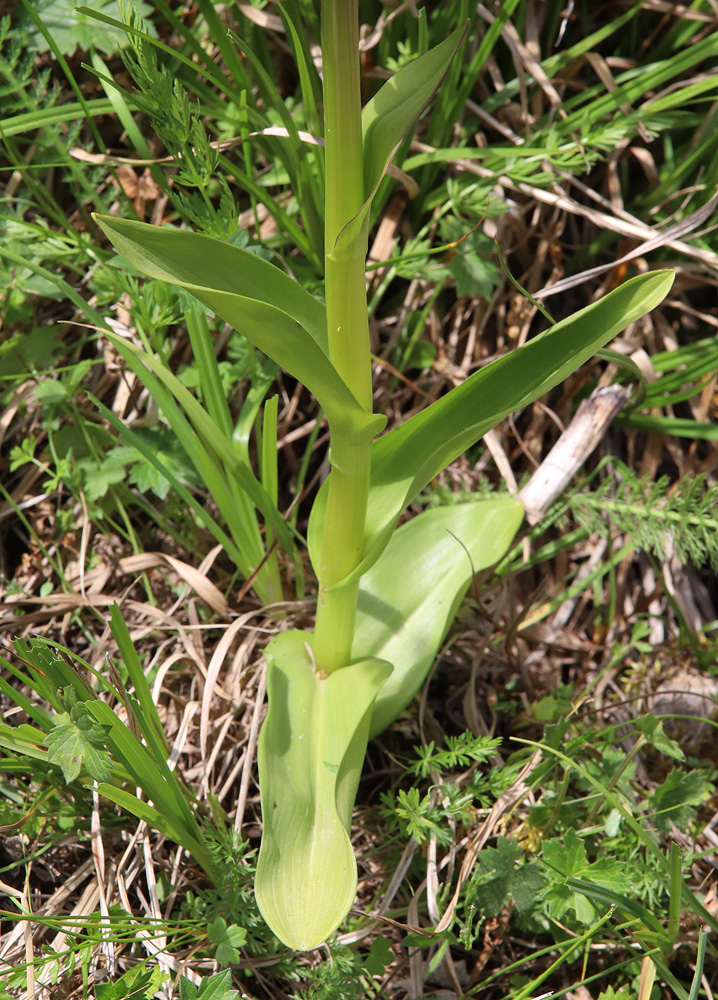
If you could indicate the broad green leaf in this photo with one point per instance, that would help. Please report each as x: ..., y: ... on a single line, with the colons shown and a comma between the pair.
x: 265, y: 305
x: 137, y: 983
x: 228, y: 940
x: 674, y: 802
x: 652, y: 729
x: 408, y: 457
x: 217, y: 987
x: 387, y: 118
x: 77, y: 743
x: 389, y: 115
x: 71, y: 29
x: 310, y: 755
x: 409, y: 597
x: 502, y: 874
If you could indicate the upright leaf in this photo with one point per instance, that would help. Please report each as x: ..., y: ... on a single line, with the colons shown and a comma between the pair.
x: 391, y: 112
x: 388, y: 117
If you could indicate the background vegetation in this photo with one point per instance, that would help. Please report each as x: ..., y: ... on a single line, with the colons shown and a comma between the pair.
x: 541, y: 819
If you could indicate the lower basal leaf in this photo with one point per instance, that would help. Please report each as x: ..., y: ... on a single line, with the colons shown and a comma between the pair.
x: 310, y: 755
x: 409, y: 597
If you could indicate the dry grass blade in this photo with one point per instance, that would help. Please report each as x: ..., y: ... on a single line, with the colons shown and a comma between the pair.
x: 522, y: 52
x: 196, y: 579
x: 503, y: 805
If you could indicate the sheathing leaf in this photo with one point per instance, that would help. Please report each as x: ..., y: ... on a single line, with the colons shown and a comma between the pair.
x: 310, y: 755
x: 391, y: 112
x: 263, y: 303
x: 386, y: 120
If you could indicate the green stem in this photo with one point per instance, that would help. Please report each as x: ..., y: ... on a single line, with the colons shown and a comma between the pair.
x: 348, y: 332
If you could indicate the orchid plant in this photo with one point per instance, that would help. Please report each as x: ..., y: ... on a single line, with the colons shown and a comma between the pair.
x: 386, y: 595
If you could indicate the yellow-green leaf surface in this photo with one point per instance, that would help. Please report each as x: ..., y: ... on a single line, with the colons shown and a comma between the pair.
x: 310, y: 754
x: 408, y: 457
x: 265, y: 305
x: 410, y: 596
x: 391, y: 112
x: 386, y: 120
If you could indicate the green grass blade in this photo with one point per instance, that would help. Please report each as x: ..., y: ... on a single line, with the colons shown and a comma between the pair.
x: 158, y: 820
x: 148, y: 718
x: 27, y: 121
x: 210, y: 381
x: 700, y: 962
x: 129, y: 437
x: 213, y: 456
x: 158, y: 782
x: 270, y: 478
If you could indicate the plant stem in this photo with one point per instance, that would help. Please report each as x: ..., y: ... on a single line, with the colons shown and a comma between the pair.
x: 348, y: 331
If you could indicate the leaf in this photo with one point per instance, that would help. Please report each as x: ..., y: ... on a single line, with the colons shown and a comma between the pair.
x: 386, y: 120
x: 411, y: 455
x: 609, y: 898
x: 215, y: 444
x: 470, y: 264
x: 217, y: 987
x: 390, y: 114
x: 622, y: 993
x: 526, y: 886
x: 604, y: 877
x: 568, y: 858
x: 379, y: 957
x: 652, y: 729
x: 310, y: 754
x: 609, y: 873
x: 71, y: 30
x: 188, y: 991
x: 77, y: 743
x: 170, y: 812
x: 50, y: 392
x: 474, y: 276
x: 168, y: 453
x: 98, y: 477
x: 228, y: 940
x: 261, y: 302
x: 501, y: 875
x: 674, y: 801
x: 422, y: 354
x: 135, y: 984
x: 409, y: 597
